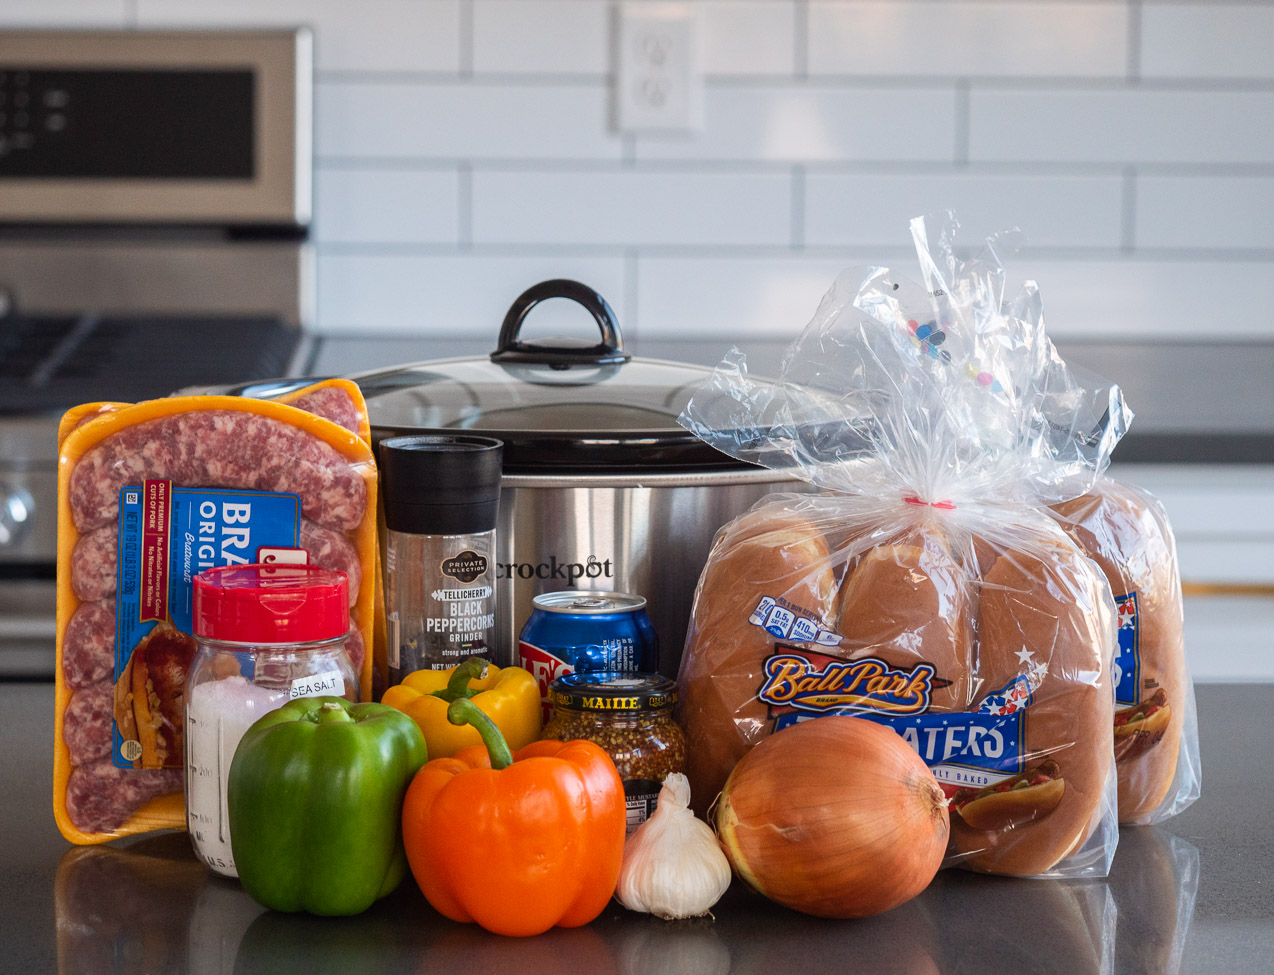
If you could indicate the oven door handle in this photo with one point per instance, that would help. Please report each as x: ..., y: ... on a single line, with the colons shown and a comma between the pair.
x: 28, y: 627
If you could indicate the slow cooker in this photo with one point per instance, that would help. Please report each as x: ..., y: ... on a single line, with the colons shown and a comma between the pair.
x: 601, y: 488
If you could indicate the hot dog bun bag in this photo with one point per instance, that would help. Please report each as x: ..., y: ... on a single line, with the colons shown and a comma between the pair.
x: 1126, y: 532
x: 149, y: 494
x: 923, y: 587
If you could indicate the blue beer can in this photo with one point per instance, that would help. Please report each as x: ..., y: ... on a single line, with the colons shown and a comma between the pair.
x: 582, y: 631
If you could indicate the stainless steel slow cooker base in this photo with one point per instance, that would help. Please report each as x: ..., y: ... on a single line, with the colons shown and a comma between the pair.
x: 642, y: 534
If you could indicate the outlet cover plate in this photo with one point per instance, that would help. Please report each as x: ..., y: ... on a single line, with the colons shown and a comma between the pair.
x: 659, y: 68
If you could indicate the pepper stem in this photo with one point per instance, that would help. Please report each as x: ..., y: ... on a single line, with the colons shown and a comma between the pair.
x: 464, y: 711
x: 331, y: 712
x: 475, y: 668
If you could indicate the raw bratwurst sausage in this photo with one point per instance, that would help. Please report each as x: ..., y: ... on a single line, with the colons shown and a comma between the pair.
x: 218, y: 448
x: 331, y: 403
x: 100, y: 796
x: 88, y: 646
x: 95, y: 559
x: 86, y: 724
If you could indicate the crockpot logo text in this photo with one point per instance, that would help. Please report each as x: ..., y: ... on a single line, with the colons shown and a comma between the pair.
x: 570, y: 572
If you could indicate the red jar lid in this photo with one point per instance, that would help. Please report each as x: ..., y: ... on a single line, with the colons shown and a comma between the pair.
x: 271, y: 604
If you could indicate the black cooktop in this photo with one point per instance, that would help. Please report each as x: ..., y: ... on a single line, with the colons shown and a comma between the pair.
x: 53, y: 362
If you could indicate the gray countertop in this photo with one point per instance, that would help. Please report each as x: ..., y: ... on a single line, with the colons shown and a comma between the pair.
x: 1195, y: 895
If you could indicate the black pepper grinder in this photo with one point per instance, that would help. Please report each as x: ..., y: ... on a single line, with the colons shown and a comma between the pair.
x: 441, y: 497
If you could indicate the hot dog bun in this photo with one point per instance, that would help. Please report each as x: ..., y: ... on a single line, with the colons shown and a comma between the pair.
x: 909, y: 602
x: 1046, y: 612
x: 1126, y: 532
x: 768, y: 552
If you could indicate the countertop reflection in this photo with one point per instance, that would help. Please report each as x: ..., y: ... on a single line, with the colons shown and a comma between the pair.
x: 147, y: 905
x: 152, y: 907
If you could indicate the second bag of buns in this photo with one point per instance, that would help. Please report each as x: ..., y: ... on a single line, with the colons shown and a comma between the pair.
x: 1125, y: 530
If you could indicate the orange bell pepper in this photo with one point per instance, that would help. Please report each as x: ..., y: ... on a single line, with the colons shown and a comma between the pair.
x: 519, y: 842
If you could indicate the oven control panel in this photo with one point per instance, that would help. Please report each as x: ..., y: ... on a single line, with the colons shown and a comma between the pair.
x: 169, y: 124
x: 120, y: 127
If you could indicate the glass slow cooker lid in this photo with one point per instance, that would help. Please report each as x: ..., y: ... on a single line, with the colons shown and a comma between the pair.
x: 557, y: 403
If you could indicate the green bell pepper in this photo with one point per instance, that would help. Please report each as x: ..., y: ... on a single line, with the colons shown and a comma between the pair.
x: 315, y: 800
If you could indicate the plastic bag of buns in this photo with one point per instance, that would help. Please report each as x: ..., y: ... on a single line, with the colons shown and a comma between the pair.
x: 925, y: 586
x: 1126, y: 532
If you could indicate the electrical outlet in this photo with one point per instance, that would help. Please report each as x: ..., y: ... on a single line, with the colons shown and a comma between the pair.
x: 659, y: 74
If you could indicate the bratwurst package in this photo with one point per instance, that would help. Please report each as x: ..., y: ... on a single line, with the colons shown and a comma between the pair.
x: 925, y: 588
x: 149, y: 494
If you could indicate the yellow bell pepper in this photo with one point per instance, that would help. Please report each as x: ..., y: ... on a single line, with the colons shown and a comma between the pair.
x: 509, y: 696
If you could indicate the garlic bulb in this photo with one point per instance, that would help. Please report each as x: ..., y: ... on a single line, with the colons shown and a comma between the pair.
x: 673, y: 867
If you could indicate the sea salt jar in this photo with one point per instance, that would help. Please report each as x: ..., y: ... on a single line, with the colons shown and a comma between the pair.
x: 266, y: 634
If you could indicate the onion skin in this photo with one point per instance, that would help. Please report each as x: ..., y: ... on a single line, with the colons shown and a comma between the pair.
x: 836, y: 817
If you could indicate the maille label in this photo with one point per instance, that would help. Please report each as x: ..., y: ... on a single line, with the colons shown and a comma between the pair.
x: 466, y: 566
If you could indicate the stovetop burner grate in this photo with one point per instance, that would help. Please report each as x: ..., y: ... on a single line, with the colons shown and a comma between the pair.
x: 52, y: 362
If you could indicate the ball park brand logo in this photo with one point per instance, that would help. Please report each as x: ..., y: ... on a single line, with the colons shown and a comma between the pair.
x: 826, y: 685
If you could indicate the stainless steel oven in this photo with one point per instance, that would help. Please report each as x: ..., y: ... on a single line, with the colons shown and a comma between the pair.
x: 155, y: 194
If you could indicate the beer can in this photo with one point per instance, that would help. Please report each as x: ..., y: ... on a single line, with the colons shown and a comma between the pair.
x: 582, y: 631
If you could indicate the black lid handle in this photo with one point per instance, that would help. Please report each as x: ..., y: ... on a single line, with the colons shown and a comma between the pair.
x: 560, y: 353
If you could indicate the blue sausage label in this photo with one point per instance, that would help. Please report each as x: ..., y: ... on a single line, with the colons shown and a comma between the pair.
x: 167, y: 535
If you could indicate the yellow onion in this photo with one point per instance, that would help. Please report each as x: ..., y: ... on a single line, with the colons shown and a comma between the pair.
x: 836, y: 817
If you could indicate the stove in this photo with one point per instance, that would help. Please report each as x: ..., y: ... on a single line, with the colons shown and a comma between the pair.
x: 154, y: 220
x: 49, y: 362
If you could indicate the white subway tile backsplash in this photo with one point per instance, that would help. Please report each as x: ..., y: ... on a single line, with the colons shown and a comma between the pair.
x: 548, y: 36
x: 749, y: 37
x: 1200, y: 211
x: 816, y: 124
x: 632, y: 208
x: 64, y: 13
x: 1121, y: 126
x: 464, y: 152
x: 1227, y: 638
x: 1186, y: 298
x: 361, y: 206
x: 1245, y: 561
x: 463, y: 120
x: 967, y: 38
x: 718, y: 296
x: 1207, y: 40
x: 1204, y: 502
x: 446, y: 294
x: 371, y: 35
x: 1082, y: 299
x: 1052, y: 210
